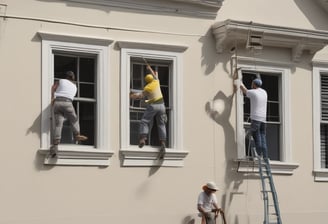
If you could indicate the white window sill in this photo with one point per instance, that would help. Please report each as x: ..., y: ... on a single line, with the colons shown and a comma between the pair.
x: 78, y: 155
x: 247, y: 166
x: 147, y: 156
x: 321, y: 175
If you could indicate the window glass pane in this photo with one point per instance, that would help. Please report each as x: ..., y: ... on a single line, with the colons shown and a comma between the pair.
x: 273, y: 141
x: 324, y: 145
x: 63, y: 64
x: 87, y: 70
x: 87, y: 121
x: 86, y: 90
x: 324, y: 97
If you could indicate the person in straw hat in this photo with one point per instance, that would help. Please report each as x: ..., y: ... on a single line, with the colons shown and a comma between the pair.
x: 207, y: 203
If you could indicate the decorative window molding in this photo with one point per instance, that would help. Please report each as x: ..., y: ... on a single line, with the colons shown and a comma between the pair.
x: 231, y: 32
x: 131, y: 155
x: 196, y: 8
x: 285, y: 165
x: 319, y: 67
x: 99, y: 154
x: 283, y: 168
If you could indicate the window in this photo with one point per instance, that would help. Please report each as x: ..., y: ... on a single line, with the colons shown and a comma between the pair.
x: 271, y: 85
x: 137, y: 107
x: 324, y: 120
x: 320, y: 120
x: 275, y: 77
x: 84, y: 68
x: 133, y: 70
x: 88, y: 59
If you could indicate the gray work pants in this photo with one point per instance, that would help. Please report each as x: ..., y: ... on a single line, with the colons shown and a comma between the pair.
x: 157, y: 111
x: 210, y: 218
x: 62, y: 110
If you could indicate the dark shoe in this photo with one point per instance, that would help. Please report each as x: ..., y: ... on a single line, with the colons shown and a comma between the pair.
x: 81, y: 138
x: 53, y: 151
x: 161, y: 151
x: 142, y: 142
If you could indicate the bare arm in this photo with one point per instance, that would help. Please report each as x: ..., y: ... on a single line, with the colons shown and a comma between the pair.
x: 137, y: 96
x: 243, y: 88
x: 155, y: 74
x: 201, y: 209
x: 53, y: 90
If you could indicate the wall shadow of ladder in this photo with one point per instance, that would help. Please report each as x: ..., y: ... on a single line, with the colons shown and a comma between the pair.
x: 270, y: 198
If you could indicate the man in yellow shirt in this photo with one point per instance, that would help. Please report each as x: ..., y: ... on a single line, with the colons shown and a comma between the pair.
x: 155, y: 109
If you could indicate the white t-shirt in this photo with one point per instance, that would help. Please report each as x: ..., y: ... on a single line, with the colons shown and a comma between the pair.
x: 206, y: 201
x: 258, y: 98
x: 66, y: 89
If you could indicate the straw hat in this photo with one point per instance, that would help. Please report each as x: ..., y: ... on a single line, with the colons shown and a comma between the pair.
x: 211, y: 185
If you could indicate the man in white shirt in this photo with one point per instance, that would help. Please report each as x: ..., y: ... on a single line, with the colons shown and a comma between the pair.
x: 258, y: 99
x: 62, y: 95
x: 207, y: 203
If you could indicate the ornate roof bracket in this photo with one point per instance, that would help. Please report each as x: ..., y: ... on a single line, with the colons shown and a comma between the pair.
x: 229, y: 33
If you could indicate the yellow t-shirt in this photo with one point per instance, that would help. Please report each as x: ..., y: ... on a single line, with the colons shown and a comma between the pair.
x: 153, y: 91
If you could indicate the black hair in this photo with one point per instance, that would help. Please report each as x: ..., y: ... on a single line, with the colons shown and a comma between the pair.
x: 70, y: 75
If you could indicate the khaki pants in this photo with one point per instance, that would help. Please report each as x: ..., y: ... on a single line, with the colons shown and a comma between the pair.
x: 64, y: 110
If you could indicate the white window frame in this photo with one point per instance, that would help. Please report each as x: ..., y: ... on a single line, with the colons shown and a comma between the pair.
x: 320, y: 174
x: 147, y: 156
x: 285, y: 166
x: 69, y: 154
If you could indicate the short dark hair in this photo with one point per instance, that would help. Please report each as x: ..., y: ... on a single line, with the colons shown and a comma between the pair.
x: 70, y: 75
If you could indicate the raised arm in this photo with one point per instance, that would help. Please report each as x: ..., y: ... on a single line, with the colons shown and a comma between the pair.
x: 155, y: 74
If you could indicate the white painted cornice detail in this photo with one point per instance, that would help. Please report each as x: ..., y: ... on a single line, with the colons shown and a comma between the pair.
x: 151, y: 46
x: 74, y: 38
x: 197, y: 8
x: 228, y: 33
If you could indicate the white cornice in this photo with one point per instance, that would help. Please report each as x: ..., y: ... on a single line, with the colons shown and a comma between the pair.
x: 74, y: 38
x: 151, y: 46
x: 195, y: 8
x: 231, y: 32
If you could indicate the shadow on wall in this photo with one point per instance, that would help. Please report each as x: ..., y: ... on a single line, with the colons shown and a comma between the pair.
x: 209, y: 58
x: 314, y: 12
x: 219, y: 110
x: 35, y: 129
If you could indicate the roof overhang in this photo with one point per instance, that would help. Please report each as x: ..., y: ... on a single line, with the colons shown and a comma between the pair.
x: 229, y: 33
x: 194, y: 8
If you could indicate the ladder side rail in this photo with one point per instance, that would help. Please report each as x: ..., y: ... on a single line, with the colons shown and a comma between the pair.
x: 273, y: 190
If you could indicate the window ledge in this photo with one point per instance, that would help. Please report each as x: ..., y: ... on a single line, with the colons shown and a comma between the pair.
x: 147, y: 156
x: 78, y: 155
x: 321, y: 175
x: 247, y: 166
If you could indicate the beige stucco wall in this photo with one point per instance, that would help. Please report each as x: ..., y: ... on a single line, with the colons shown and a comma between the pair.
x: 33, y: 193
